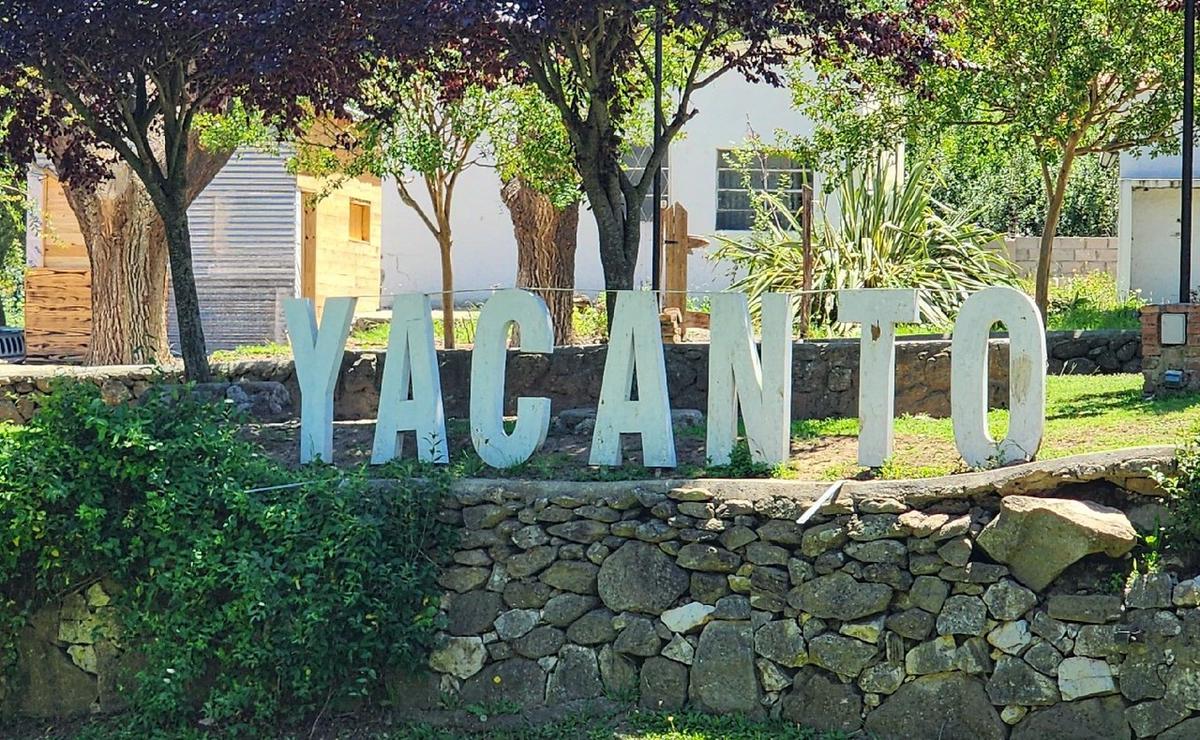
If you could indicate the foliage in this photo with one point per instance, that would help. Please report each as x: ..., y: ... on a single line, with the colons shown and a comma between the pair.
x: 980, y: 171
x: 243, y: 597
x: 1091, y: 302
x: 94, y: 80
x: 1059, y: 78
x: 530, y: 143
x: 12, y: 245
x: 888, y: 235
x: 1181, y: 531
x: 592, y: 62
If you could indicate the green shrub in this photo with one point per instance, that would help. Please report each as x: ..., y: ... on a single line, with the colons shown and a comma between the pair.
x: 1180, y: 535
x: 245, y: 591
x: 887, y: 236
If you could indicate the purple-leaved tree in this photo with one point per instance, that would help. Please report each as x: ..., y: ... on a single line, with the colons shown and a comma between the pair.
x: 99, y: 82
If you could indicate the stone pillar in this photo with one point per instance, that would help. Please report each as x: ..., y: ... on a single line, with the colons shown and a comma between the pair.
x: 1171, y: 347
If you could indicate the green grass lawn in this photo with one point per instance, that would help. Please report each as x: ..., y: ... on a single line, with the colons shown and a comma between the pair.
x: 635, y: 725
x: 1084, y: 413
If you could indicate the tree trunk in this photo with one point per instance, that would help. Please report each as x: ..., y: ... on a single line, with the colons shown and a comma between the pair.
x: 1055, y: 195
x: 127, y: 250
x: 546, y: 241
x: 444, y: 245
x: 187, y: 303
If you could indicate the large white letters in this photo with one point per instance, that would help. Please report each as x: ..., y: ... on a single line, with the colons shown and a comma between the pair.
x: 488, y: 361
x: 635, y: 344
x: 878, y: 311
x: 318, y: 355
x: 736, y: 376
x: 1026, y: 377
x: 411, y: 355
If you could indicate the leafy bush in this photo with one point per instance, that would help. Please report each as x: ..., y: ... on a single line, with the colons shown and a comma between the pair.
x: 1180, y: 536
x: 245, y: 591
x: 888, y: 235
x: 1090, y: 302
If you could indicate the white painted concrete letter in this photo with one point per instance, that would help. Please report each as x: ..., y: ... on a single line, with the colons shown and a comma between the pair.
x: 318, y: 355
x: 635, y: 344
x: 1026, y: 377
x: 737, y: 377
x: 411, y: 356
x: 488, y: 361
x: 878, y: 310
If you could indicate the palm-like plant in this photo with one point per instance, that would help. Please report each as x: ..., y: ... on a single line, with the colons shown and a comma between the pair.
x: 888, y: 234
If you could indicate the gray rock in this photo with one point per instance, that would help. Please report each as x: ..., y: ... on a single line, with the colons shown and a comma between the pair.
x: 663, y: 685
x: 732, y: 608
x: 936, y: 656
x: 891, y: 552
x: 707, y: 558
x: 929, y: 593
x: 1097, y: 641
x: 461, y: 580
x: 838, y: 596
x: 639, y: 577
x: 539, y: 642
x: 761, y: 553
x: 915, y: 624
x: 1079, y: 720
x: 583, y: 531
x: 680, y: 650
x: 1039, y: 537
x: 1152, y: 717
x: 517, y: 680
x: 472, y: 613
x: 842, y: 655
x: 51, y: 685
x: 526, y: 594
x: 882, y: 678
x: 1149, y: 591
x: 564, y: 609
x: 1080, y: 678
x: 1093, y: 609
x: 824, y: 704
x: 1144, y: 672
x: 638, y: 637
x: 708, y: 588
x: 736, y: 537
x: 571, y: 575
x: 962, y: 615
x: 821, y: 538
x: 1015, y: 682
x: 771, y: 677
x: 869, y: 527
x: 781, y: 641
x: 593, y: 628
x: 944, y: 705
x: 484, y: 516
x: 532, y: 561
x: 461, y: 657
x: 513, y: 623
x: 956, y: 551
x: 972, y: 657
x: 723, y: 677
x: 575, y: 676
x: 1186, y: 593
x: 1043, y: 657
x: 1008, y: 600
x: 530, y: 536
x: 618, y: 674
x: 1186, y: 730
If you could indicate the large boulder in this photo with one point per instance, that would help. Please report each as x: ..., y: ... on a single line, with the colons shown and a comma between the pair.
x: 639, y: 577
x: 941, y: 705
x: 723, y: 680
x: 1038, y: 538
x: 820, y: 701
x: 1076, y: 720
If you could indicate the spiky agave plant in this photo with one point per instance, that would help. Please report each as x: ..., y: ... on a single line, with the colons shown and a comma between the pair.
x: 889, y: 233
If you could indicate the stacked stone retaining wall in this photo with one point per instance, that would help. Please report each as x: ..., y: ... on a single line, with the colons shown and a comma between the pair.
x: 824, y: 377
x: 987, y: 605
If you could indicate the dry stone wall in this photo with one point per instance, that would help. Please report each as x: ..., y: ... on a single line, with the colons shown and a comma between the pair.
x: 824, y: 377
x: 986, y: 605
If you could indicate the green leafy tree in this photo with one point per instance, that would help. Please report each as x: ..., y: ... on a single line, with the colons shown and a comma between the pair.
x: 1061, y: 78
x: 541, y: 188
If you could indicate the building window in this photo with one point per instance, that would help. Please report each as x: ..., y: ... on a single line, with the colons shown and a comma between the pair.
x: 739, y: 174
x: 360, y: 221
x: 635, y: 164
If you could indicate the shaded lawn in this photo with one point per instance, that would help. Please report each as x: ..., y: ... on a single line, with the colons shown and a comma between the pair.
x: 1084, y: 413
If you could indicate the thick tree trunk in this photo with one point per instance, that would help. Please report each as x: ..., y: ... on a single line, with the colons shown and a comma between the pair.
x: 546, y: 240
x: 127, y: 249
x: 187, y: 302
x: 1055, y: 196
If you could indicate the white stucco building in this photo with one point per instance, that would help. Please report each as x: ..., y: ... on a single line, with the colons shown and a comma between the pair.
x: 485, y: 250
x: 1148, y: 227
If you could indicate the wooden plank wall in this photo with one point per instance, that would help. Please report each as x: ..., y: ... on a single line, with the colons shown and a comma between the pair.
x: 62, y: 240
x: 58, y: 314
x: 344, y: 266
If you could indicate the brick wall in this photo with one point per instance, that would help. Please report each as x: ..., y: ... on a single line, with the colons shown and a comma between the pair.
x: 1073, y: 255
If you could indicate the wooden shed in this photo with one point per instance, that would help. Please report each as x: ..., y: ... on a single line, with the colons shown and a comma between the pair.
x: 260, y: 234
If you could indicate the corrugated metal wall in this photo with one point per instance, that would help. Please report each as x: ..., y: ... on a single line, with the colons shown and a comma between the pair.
x: 244, y: 250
